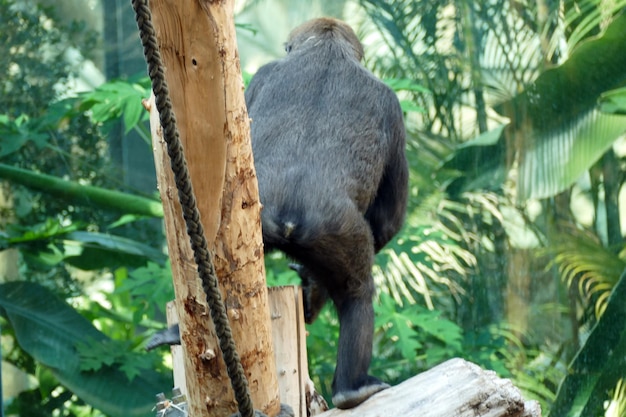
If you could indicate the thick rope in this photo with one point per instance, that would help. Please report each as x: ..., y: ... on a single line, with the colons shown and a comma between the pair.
x: 191, y: 214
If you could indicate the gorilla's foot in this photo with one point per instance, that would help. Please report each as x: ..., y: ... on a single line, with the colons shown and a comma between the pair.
x: 352, y: 398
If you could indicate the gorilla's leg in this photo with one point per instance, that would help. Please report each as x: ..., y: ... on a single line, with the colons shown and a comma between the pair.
x: 352, y: 385
x: 339, y: 262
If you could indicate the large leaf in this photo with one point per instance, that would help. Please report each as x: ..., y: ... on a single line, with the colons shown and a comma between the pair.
x: 49, y: 329
x: 599, y: 364
x: 99, y: 250
x: 563, y: 134
x: 50, y: 243
x: 554, y: 160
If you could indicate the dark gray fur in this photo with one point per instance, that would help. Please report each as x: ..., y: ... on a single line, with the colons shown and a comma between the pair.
x: 328, y: 142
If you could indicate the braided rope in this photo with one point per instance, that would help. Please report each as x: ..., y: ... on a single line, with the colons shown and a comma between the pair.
x: 191, y: 214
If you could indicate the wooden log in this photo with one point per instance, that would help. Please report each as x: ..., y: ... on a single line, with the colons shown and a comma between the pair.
x: 198, y: 46
x: 455, y: 388
x: 203, y: 359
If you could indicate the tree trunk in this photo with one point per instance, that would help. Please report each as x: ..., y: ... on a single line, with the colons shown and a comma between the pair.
x: 198, y: 46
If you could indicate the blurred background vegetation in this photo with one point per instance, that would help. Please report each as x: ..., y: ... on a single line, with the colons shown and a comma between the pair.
x: 512, y: 253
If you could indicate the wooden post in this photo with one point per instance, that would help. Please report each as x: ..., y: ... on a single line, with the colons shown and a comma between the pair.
x: 198, y: 46
x: 289, y: 336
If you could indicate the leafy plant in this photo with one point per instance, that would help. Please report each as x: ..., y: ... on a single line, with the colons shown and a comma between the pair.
x: 77, y: 354
x: 545, y: 70
x: 560, y: 107
x: 599, y: 366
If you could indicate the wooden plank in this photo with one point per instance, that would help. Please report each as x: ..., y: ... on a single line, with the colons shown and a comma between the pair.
x: 289, y: 337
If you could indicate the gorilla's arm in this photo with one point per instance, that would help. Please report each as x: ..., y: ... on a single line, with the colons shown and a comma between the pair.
x: 386, y: 213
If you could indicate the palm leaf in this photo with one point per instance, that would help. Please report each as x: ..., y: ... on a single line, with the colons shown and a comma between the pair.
x: 563, y: 133
x: 599, y: 365
x: 584, y: 262
x: 617, y: 406
x: 419, y: 263
x: 583, y: 17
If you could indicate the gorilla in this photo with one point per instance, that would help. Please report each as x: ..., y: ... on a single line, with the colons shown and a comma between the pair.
x: 328, y: 142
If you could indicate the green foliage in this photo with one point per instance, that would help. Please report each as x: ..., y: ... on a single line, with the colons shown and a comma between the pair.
x: 586, y: 265
x: 407, y: 85
x: 560, y: 107
x: 599, y: 365
x: 50, y: 244
x: 96, y: 355
x: 32, y: 46
x: 17, y: 132
x: 487, y: 346
x: 321, y: 349
x: 472, y: 57
x: 73, y: 231
x: 78, y: 355
x: 150, y: 287
x: 277, y: 271
x: 117, y: 100
x: 614, y: 101
x: 418, y: 333
x: 49, y: 399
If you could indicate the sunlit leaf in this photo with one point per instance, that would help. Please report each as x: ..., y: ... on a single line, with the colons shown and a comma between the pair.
x: 114, y: 99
